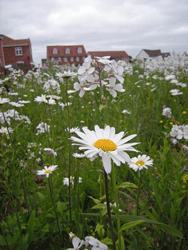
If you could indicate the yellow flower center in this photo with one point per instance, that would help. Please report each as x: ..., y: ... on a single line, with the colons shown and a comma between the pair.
x: 105, y: 145
x: 47, y: 171
x: 140, y: 163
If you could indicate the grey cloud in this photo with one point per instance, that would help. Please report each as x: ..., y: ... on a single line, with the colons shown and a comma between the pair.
x: 98, y: 25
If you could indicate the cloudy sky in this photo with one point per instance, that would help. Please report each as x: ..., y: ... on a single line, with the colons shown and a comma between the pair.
x: 129, y: 25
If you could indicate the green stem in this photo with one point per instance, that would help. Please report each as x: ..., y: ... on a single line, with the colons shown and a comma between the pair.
x: 137, y: 200
x: 51, y: 195
x: 108, y: 210
x: 115, y: 196
x: 24, y: 191
x: 138, y: 194
x: 101, y: 192
x: 101, y: 87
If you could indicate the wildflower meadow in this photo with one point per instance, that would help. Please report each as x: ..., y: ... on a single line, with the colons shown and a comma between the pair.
x: 95, y: 156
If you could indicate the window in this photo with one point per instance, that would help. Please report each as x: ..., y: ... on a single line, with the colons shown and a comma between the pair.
x: 67, y: 51
x: 0, y: 63
x: 54, y: 51
x: 52, y: 59
x: 72, y: 59
x: 79, y: 50
x: 65, y: 59
x: 83, y: 58
x: 18, y: 51
x: 59, y: 59
x: 77, y: 59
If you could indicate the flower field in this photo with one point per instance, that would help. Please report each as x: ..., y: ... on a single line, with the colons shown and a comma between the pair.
x: 95, y: 156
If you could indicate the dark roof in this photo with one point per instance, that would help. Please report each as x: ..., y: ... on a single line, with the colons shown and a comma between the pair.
x: 112, y: 54
x: 8, y: 42
x: 153, y: 53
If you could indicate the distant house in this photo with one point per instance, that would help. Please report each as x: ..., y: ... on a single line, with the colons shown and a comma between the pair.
x: 18, y: 53
x: 66, y: 54
x: 44, y: 63
x: 146, y: 53
x: 115, y: 55
x: 166, y: 54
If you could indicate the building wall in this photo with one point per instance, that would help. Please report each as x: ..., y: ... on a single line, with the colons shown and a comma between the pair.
x: 61, y: 57
x: 11, y: 57
x: 69, y: 59
x: 2, y: 62
x: 142, y: 55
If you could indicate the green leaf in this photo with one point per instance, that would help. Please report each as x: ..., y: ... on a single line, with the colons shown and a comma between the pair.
x: 167, y: 228
x: 61, y: 206
x: 103, y: 197
x: 31, y: 225
x: 107, y: 241
x: 23, y: 226
x: 2, y: 241
x: 99, y: 206
x: 104, y: 211
x: 99, y: 229
x: 147, y: 239
x: 122, y: 243
x: 46, y: 228
x: 41, y: 196
x: 25, y: 239
x: 156, y: 191
x: 95, y: 200
x: 130, y: 224
x: 50, y: 215
x: 126, y: 185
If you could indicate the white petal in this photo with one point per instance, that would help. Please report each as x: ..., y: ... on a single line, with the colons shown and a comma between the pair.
x: 82, y: 92
x: 118, y: 86
x: 106, y: 132
x: 114, y: 158
x: 112, y: 133
x: 99, y: 131
x: 76, y: 86
x: 106, y: 163
x: 117, y: 137
x: 128, y: 138
x: 75, y: 242
x: 112, y: 81
x: 113, y: 93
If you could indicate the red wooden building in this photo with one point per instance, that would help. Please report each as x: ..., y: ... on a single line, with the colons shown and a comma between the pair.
x: 66, y: 54
x: 18, y: 53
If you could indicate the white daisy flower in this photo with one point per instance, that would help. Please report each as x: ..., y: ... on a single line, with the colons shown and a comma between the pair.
x: 106, y: 144
x: 66, y: 181
x: 175, y: 92
x: 167, y: 112
x: 95, y: 243
x: 5, y: 130
x: 77, y: 243
x: 112, y: 87
x: 126, y: 112
x: 47, y: 170
x: 4, y: 100
x: 140, y: 162
x: 50, y: 151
